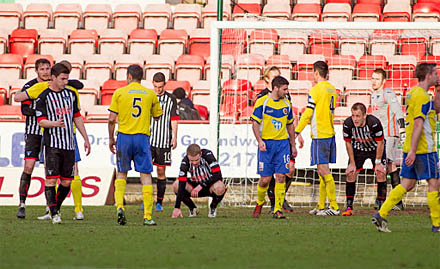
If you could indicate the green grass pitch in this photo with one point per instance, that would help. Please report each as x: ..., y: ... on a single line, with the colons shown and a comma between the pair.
x: 232, y: 240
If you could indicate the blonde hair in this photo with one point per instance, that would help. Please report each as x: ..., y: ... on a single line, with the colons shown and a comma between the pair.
x: 267, y: 72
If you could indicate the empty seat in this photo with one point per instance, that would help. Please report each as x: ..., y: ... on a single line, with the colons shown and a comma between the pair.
x: 199, y: 43
x: 142, y: 42
x: 88, y: 97
x: 172, y: 42
x: 234, y: 42
x: 8, y: 112
x: 306, y: 12
x: 397, y: 11
x: 336, y: 12
x: 187, y: 16
x: 83, y: 42
x: 426, y: 12
x: 97, y: 16
x: 98, y: 67
x: 368, y: 63
x: 108, y: 88
x: 435, y: 45
x: 401, y: 67
x: 203, y: 111
x: 23, y: 42
x: 304, y: 65
x: 67, y: 16
x: 282, y: 62
x: 10, y: 67
x: 299, y: 92
x: 10, y: 16
x: 415, y: 46
x: 37, y: 16
x: 3, y: 96
x: 159, y: 63
x: 358, y: 91
x: 239, y: 13
x: 292, y: 42
x: 112, y: 42
x: 324, y: 43
x: 235, y: 97
x: 250, y: 67
x: 126, y: 17
x: 29, y: 66
x: 99, y: 113
x: 52, y: 41
x: 209, y: 13
x: 226, y: 70
x: 157, y: 17
x: 342, y: 113
x: 384, y: 42
x: 355, y: 44
x: 190, y: 68
x: 277, y: 11
x: 366, y: 12
x: 122, y: 62
x: 200, y: 93
x: 341, y: 68
x: 3, y: 41
x: 263, y: 42
x: 171, y: 85
x: 77, y: 63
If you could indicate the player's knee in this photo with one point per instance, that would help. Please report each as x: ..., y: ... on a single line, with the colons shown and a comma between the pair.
x: 219, y: 188
x: 65, y: 183
x: 176, y: 186
x: 50, y: 182
x: 29, y: 166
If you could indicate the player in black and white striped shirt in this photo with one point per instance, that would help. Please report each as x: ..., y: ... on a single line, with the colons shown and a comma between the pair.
x: 163, y: 135
x: 364, y: 139
x: 57, y: 111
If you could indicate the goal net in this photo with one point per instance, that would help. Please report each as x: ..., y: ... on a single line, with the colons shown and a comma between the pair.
x: 241, y: 51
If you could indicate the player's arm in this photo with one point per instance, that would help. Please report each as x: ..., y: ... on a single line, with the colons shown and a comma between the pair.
x: 396, y: 108
x: 216, y: 173
x: 79, y: 123
x: 111, y: 131
x: 291, y: 132
x: 415, y: 136
x: 256, y: 130
x: 156, y: 110
x: 257, y: 118
x: 184, y: 167
x: 21, y: 96
x: 75, y: 84
x: 348, y: 138
x: 26, y: 108
x: 308, y: 113
x: 299, y: 136
x: 174, y: 123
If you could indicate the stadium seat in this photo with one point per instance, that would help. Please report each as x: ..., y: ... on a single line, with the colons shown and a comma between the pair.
x: 67, y: 17
x: 292, y: 42
x: 199, y: 43
x: 122, y: 62
x: 10, y: 67
x: 83, y: 42
x: 304, y: 65
x: 190, y: 68
x: 15, y: 87
x: 3, y: 96
x: 159, y: 63
x: 355, y: 45
x: 97, y: 16
x: 99, y: 113
x: 324, y: 43
x: 238, y: 13
x: 426, y: 12
x: 236, y: 95
x: 368, y: 63
x: 171, y: 85
x: 157, y: 17
x: 384, y: 42
x: 397, y: 10
x: 341, y: 68
x: 29, y: 66
x: 88, y: 97
x: 227, y: 67
x: 358, y: 91
x: 187, y: 16
x: 366, y: 12
x: 37, y: 16
x: 259, y: 86
x: 277, y: 10
x: 299, y: 91
x: 126, y: 17
x: 234, y: 42
x: 203, y: 111
x: 52, y: 41
x: 341, y: 113
x: 336, y: 12
x: 373, y: 2
x: 283, y: 2
x: 172, y: 42
x: 250, y: 67
x: 112, y: 42
x: 108, y: 88
x: 306, y: 12
x: 98, y: 67
x: 77, y: 62
x: 264, y: 42
x: 401, y: 67
x: 10, y: 16
x: 91, y: 83
x: 435, y: 45
x: 200, y: 93
x: 415, y: 46
x: 10, y: 113
x: 142, y: 42
x: 23, y: 42
x: 209, y: 13
x: 3, y: 41
x: 282, y: 62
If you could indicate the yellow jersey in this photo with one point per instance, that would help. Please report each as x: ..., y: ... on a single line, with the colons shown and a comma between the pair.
x: 320, y: 111
x: 419, y: 105
x: 273, y: 117
x: 135, y: 105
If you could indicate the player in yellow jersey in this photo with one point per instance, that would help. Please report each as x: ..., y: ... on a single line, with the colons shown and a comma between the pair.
x: 420, y: 159
x: 272, y: 124
x: 133, y: 106
x: 320, y: 113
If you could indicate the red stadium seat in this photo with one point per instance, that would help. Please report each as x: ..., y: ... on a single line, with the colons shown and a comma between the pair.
x: 368, y: 63
x: 97, y: 16
x: 415, y: 46
x: 306, y: 12
x: 37, y: 16
x: 435, y: 45
x: 299, y: 91
x: 142, y: 42
x: 304, y: 65
x: 83, y: 42
x: 77, y: 62
x: 99, y: 67
x: 341, y: 68
x: 397, y: 11
x: 209, y: 13
x: 122, y: 62
x: 200, y: 93
x: 10, y: 67
x: 366, y: 12
x: 401, y: 67
x: 88, y: 97
x: 187, y: 16
x: 227, y: 67
x: 277, y: 11
x: 203, y: 111
x: 238, y: 86
x: 108, y: 88
x: 250, y: 67
x: 126, y: 17
x: 52, y: 42
x: 264, y: 42
x: 171, y: 85
x: 190, y: 68
x: 23, y: 42
x: 157, y: 17
x: 29, y: 66
x: 282, y: 62
x: 3, y: 96
x: 8, y: 112
x: 172, y: 42
x: 234, y: 41
x: 341, y: 113
x: 239, y: 14
x: 426, y: 12
x: 384, y: 42
x: 259, y: 86
x: 199, y: 43
x: 10, y: 16
x: 373, y: 2
x: 355, y: 46
x: 292, y: 42
x: 158, y: 63
x: 336, y: 12
x: 323, y: 43
x: 67, y: 17
x: 112, y: 42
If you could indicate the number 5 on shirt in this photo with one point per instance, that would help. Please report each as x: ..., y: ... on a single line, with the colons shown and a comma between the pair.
x: 136, y: 106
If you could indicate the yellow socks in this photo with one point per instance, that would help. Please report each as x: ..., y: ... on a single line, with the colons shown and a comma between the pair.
x: 280, y: 192
x: 147, y: 194
x: 322, y: 194
x: 119, y: 192
x: 76, y: 186
x: 261, y: 194
x: 395, y: 196
x: 331, y: 191
x: 434, y: 207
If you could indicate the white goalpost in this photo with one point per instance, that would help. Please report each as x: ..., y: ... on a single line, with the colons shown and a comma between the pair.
x: 242, y: 50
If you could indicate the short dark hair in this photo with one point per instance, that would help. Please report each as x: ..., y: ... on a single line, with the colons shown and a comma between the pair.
x: 135, y: 71
x: 321, y: 67
x: 423, y: 69
x: 279, y: 81
x: 41, y: 61
x: 359, y: 106
x: 193, y: 150
x: 159, y: 77
x: 58, y: 69
x: 382, y: 72
x: 179, y: 93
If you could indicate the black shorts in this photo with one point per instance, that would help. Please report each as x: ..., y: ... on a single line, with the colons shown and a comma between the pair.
x: 33, y: 145
x: 205, y: 190
x: 361, y: 156
x: 59, y: 163
x: 161, y: 156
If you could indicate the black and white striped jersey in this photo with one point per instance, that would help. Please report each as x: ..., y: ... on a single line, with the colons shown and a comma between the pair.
x: 51, y: 106
x: 206, y: 173
x: 28, y: 109
x: 363, y: 138
x: 161, y: 132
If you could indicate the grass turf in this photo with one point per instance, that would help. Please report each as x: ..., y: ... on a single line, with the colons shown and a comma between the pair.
x: 232, y: 240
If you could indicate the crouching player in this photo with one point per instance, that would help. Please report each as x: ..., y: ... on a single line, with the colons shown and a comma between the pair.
x: 205, y: 180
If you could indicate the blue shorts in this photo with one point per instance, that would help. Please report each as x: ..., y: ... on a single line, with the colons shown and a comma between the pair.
x: 424, y: 167
x: 323, y: 151
x: 77, y: 156
x: 133, y: 147
x: 275, y: 159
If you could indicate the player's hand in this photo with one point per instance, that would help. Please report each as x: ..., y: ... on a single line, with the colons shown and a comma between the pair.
x: 410, y: 158
x: 300, y: 141
x: 60, y: 122
x: 261, y: 145
x: 350, y: 169
x: 112, y: 145
x: 380, y: 169
x: 177, y: 213
x: 87, y: 147
x: 293, y: 151
x: 402, y: 135
x: 173, y: 143
x: 195, y: 191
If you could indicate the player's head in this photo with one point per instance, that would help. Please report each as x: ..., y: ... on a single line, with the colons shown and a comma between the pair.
x: 427, y: 73
x: 42, y: 68
x: 159, y: 83
x: 320, y: 71
x: 378, y: 79
x: 134, y: 73
x: 269, y: 74
x: 359, y: 114
x: 194, y: 153
x: 59, y: 75
x: 67, y: 64
x: 280, y: 87
x: 179, y: 93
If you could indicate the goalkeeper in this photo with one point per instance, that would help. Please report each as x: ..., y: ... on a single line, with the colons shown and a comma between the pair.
x: 387, y: 108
